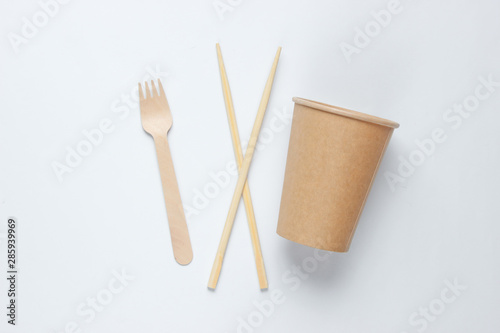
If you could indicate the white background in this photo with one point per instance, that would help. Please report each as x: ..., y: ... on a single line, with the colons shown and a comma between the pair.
x: 441, y: 224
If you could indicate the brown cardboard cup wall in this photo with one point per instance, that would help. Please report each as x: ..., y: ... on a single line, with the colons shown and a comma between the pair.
x: 333, y: 156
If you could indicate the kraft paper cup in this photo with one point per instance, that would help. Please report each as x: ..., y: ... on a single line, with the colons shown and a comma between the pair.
x: 333, y: 157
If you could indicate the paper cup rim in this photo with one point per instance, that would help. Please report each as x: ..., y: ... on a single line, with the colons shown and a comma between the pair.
x: 345, y: 112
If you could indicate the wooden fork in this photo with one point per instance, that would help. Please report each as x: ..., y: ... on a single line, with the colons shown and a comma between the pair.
x: 157, y: 120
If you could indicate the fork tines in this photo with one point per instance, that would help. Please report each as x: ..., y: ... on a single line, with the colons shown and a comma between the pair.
x: 148, y: 91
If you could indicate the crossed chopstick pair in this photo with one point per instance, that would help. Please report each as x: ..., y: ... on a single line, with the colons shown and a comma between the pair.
x: 244, y: 166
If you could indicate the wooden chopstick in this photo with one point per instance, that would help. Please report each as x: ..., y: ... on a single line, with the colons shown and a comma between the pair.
x: 238, y: 153
x: 243, y: 173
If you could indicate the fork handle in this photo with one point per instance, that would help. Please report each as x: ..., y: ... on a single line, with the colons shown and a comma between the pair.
x: 181, y: 243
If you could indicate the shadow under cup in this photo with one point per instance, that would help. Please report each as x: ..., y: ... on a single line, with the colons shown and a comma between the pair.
x: 333, y: 157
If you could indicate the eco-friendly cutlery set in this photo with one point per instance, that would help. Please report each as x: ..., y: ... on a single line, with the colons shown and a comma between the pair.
x: 333, y: 157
